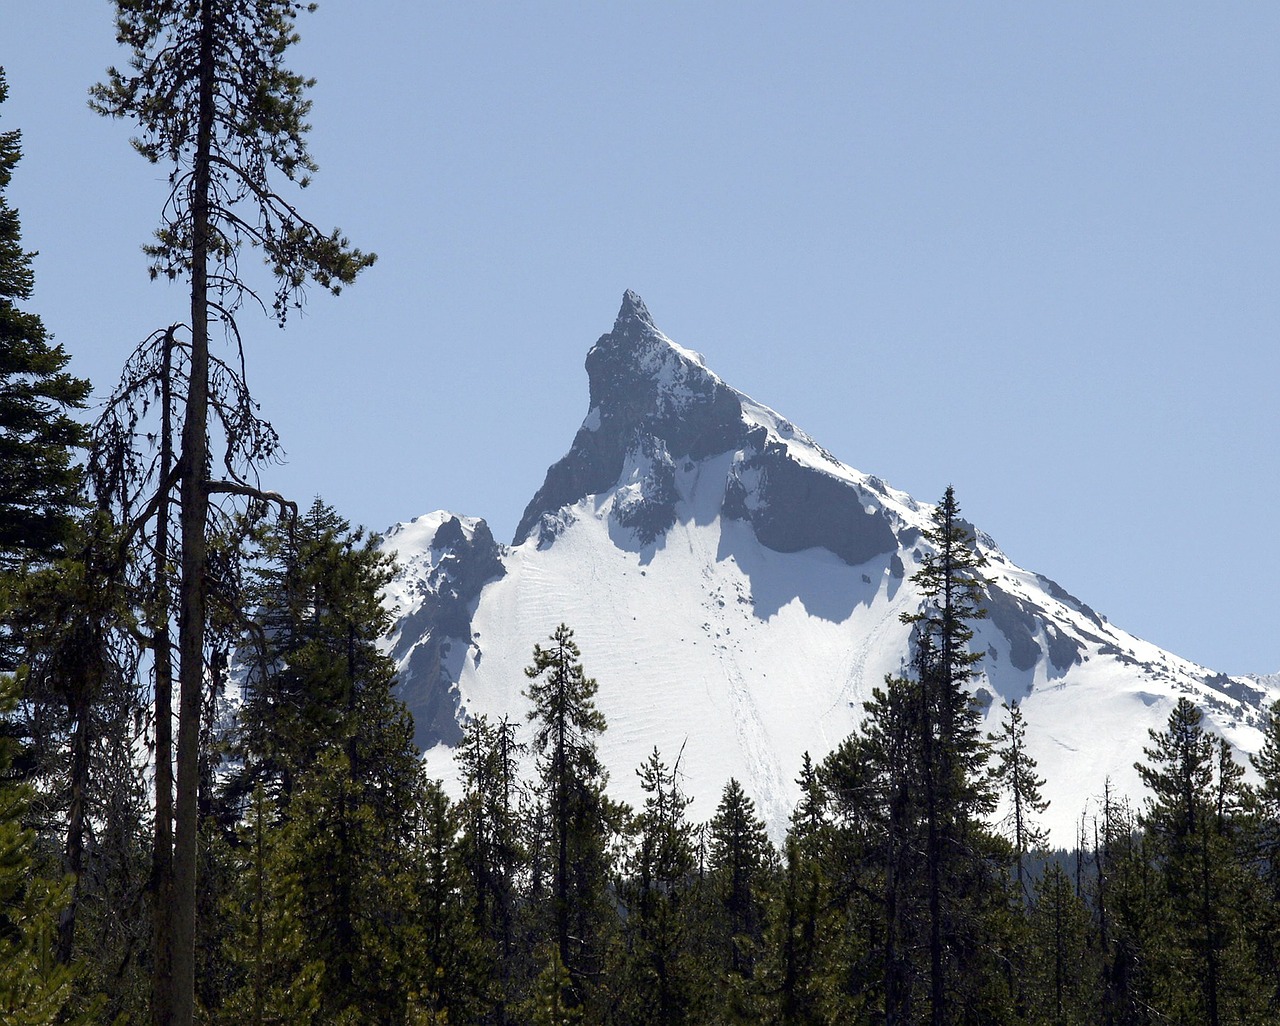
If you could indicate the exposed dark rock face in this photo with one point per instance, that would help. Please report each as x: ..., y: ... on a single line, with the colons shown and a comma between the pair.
x: 1020, y: 621
x: 1017, y: 621
x: 793, y: 507
x: 641, y: 385
x: 1236, y: 689
x: 1064, y: 650
x: 438, y: 634
x: 653, y: 401
x: 648, y: 509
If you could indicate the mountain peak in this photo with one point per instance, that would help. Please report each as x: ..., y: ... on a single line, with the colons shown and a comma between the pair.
x: 633, y: 312
x: 656, y: 412
x: 646, y: 393
x: 743, y: 590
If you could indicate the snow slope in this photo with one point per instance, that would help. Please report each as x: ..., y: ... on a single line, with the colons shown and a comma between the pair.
x: 736, y: 591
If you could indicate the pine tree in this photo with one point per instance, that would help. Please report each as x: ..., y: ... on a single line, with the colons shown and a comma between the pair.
x: 345, y: 860
x: 741, y: 861
x: 493, y: 850
x: 658, y: 966
x: 951, y: 585
x: 1131, y: 912
x: 39, y: 479
x: 824, y: 914
x: 1061, y: 974
x: 446, y: 965
x: 1015, y: 775
x: 925, y: 934
x: 548, y: 1006
x: 955, y: 788
x: 275, y: 978
x: 213, y: 99
x: 313, y: 671
x: 578, y: 815
x: 1193, y: 814
x: 728, y: 913
x: 793, y: 973
x: 809, y: 814
x: 325, y: 744
x: 1178, y: 774
x: 877, y: 791
x: 83, y: 723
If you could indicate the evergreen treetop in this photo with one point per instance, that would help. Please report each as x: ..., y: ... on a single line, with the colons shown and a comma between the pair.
x: 314, y: 675
x: 578, y: 815
x: 39, y: 481
x: 952, y: 584
x: 1015, y: 773
x: 210, y: 92
x: 563, y: 698
x: 1178, y: 773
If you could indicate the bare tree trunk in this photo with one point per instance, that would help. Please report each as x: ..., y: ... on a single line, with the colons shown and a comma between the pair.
x: 1019, y: 824
x: 931, y: 681
x: 162, y: 651
x: 194, y: 519
x: 562, y: 819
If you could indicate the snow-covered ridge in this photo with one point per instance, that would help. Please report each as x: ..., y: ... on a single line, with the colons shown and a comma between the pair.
x: 1267, y: 681
x: 414, y: 543
x: 736, y: 589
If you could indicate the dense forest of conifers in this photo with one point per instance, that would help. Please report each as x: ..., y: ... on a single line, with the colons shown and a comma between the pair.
x: 211, y: 808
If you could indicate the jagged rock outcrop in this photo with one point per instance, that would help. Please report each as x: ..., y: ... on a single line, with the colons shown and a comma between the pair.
x: 645, y: 392
x: 436, y: 594
x: 654, y: 403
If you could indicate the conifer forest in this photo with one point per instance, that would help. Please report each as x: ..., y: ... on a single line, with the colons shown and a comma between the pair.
x: 212, y: 809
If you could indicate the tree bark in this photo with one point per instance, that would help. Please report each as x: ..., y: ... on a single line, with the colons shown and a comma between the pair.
x: 562, y: 813
x: 193, y: 521
x: 162, y: 651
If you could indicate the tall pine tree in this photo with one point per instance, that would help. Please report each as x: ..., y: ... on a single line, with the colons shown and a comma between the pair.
x: 956, y: 793
x: 214, y: 101
x: 577, y: 813
x: 1015, y: 775
x: 1062, y: 977
x: 738, y: 881
x: 908, y: 795
x: 325, y: 746
x: 658, y: 967
x: 39, y: 478
x: 1194, y: 817
x: 493, y: 850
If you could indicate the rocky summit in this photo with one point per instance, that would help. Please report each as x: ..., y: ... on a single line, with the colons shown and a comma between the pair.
x: 737, y: 591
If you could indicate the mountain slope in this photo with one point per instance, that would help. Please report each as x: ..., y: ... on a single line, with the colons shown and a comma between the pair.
x: 736, y: 590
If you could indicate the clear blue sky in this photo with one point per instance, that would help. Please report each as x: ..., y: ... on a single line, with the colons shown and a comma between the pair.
x: 1031, y: 250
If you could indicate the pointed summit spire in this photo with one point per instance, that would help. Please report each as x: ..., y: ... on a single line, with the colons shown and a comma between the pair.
x: 633, y: 311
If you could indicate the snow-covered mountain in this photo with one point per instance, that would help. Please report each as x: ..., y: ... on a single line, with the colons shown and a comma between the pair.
x: 736, y: 590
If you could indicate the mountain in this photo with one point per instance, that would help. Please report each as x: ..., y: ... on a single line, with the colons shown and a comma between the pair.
x: 736, y: 591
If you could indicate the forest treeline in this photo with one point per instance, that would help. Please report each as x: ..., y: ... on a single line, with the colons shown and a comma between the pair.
x: 212, y: 810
